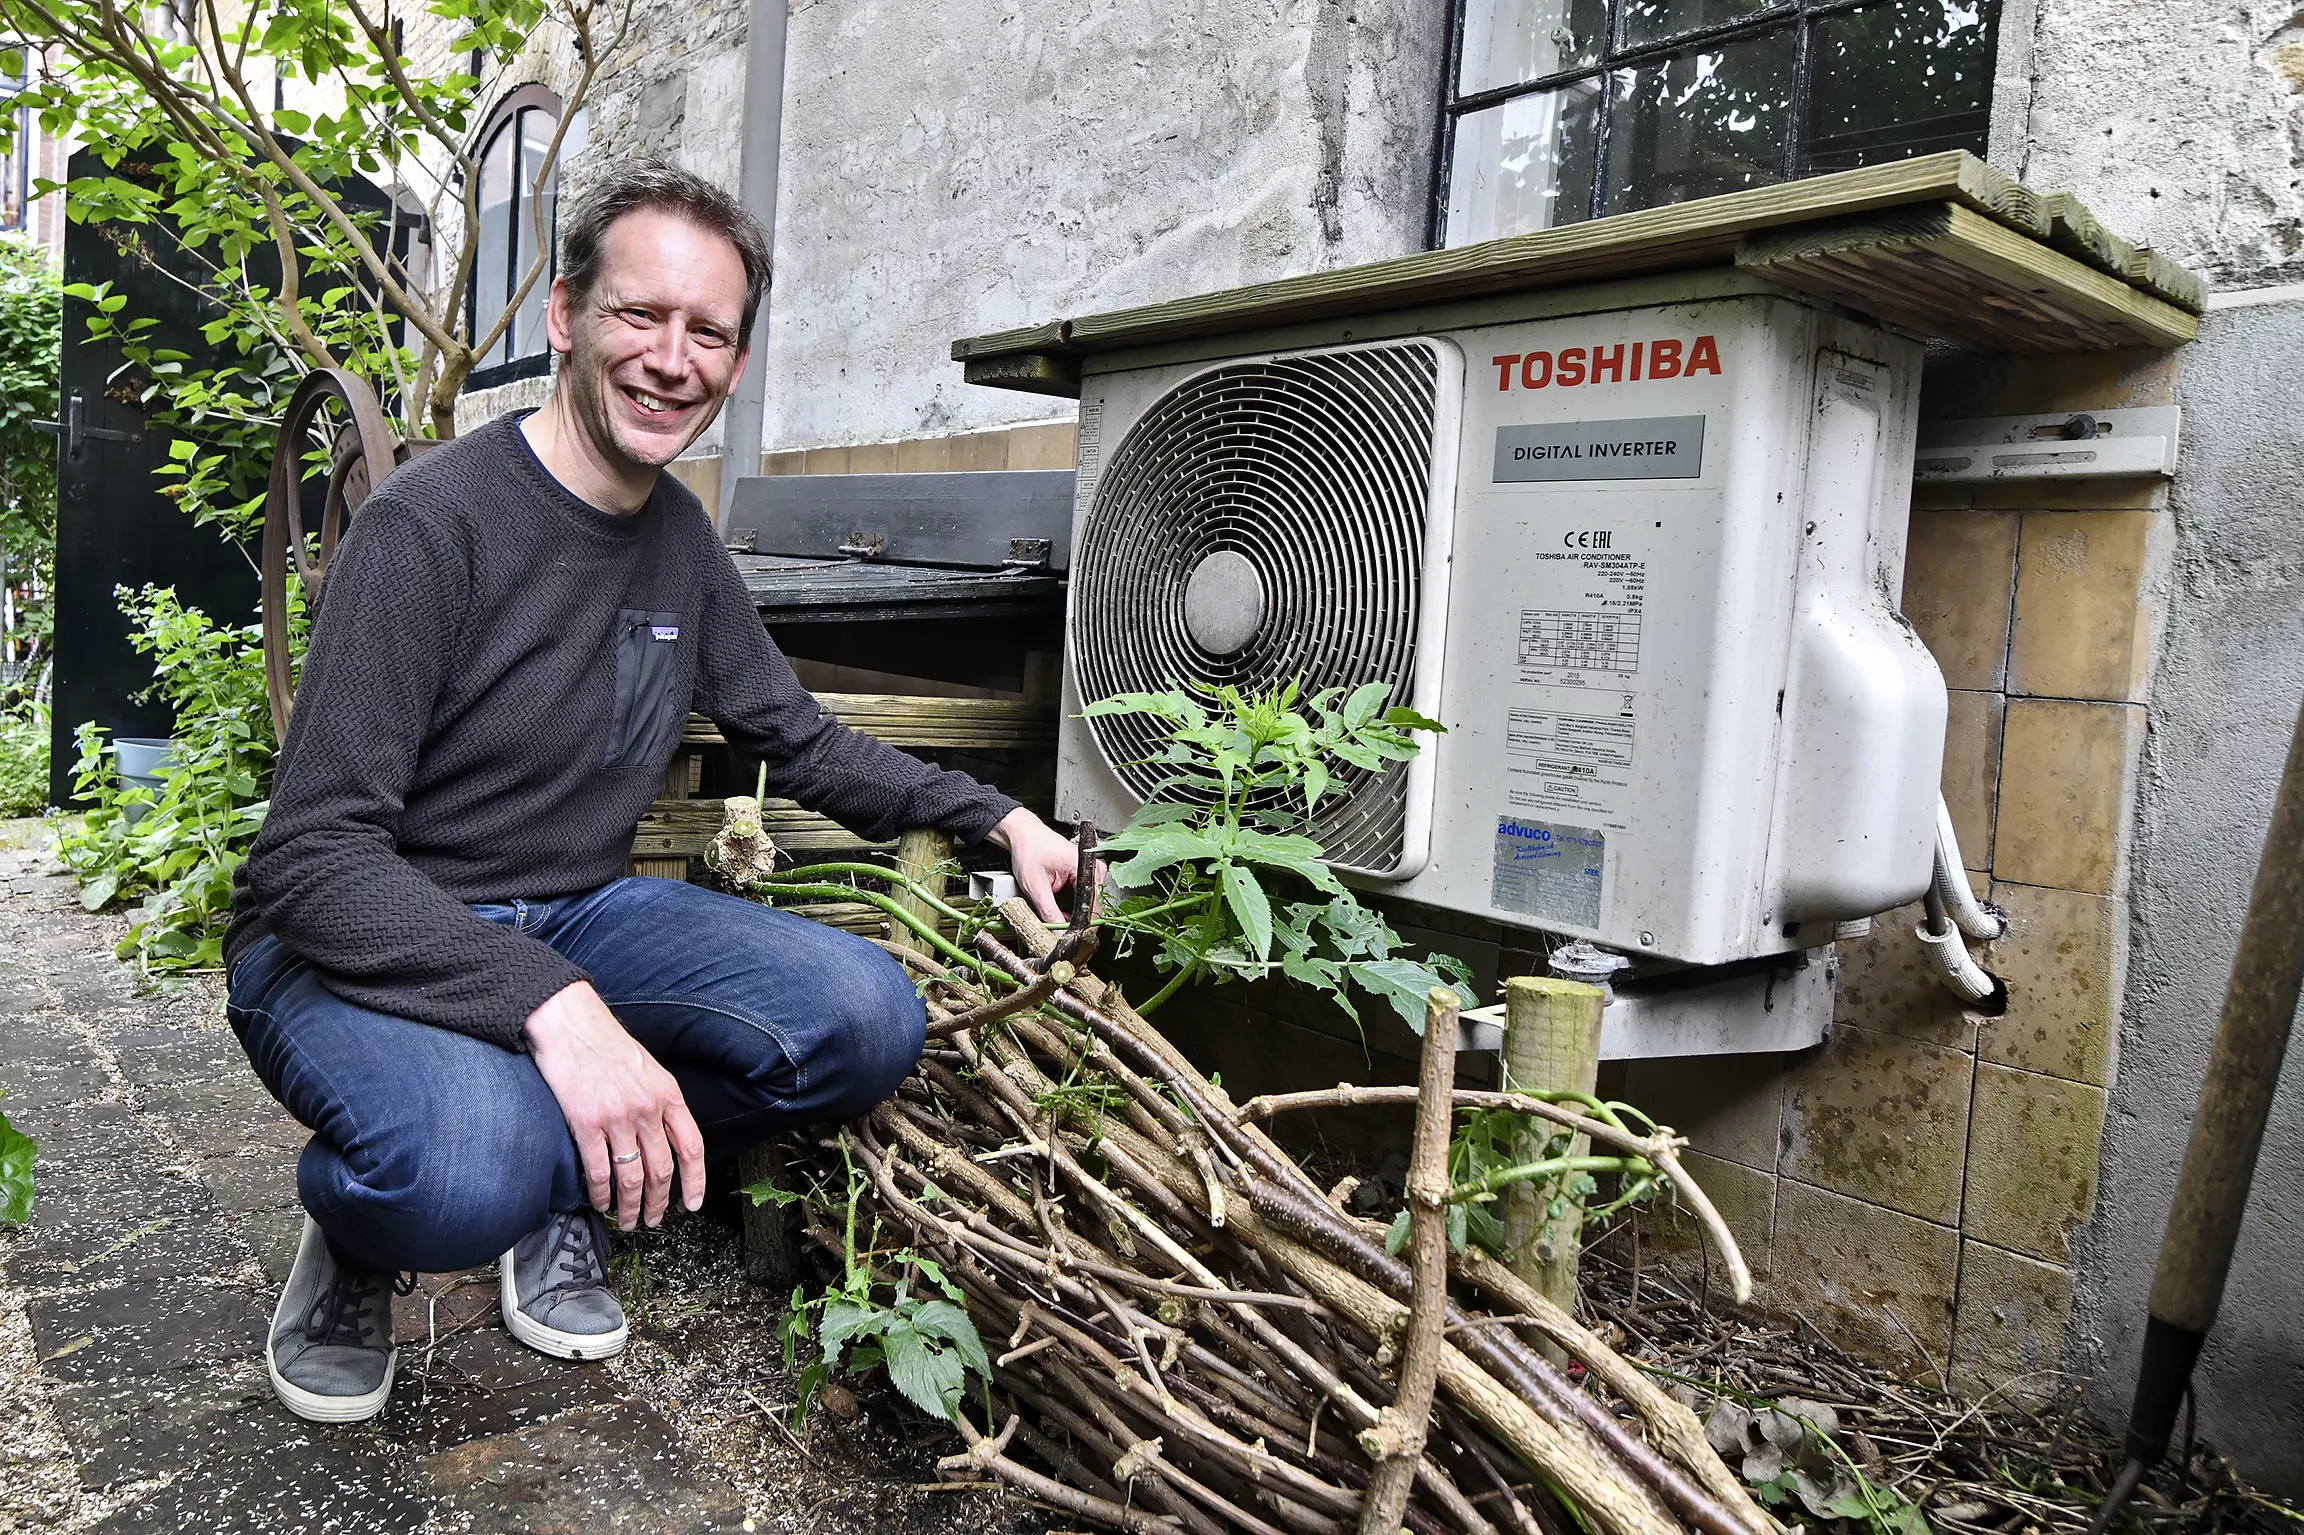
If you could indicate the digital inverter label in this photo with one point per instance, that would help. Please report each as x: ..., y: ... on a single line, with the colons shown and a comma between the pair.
x: 1650, y: 448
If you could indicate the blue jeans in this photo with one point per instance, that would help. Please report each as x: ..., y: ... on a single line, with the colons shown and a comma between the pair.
x: 435, y: 1151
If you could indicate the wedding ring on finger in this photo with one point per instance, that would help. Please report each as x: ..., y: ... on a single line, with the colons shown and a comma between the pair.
x: 628, y: 1157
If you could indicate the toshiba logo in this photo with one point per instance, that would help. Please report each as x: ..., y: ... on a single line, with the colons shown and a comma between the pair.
x: 1623, y: 363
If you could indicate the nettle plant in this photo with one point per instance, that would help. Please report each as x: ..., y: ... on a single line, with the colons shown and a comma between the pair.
x: 891, y: 1307
x: 180, y: 851
x: 1220, y: 876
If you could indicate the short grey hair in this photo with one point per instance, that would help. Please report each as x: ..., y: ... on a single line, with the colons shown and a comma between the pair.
x: 639, y: 186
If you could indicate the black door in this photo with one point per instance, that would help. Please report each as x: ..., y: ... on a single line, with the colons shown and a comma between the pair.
x: 113, y: 527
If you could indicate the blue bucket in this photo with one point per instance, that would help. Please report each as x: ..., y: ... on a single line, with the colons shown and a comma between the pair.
x: 142, y: 759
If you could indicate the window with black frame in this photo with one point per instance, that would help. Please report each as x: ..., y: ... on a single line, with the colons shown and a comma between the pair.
x: 511, y: 224
x: 1561, y: 110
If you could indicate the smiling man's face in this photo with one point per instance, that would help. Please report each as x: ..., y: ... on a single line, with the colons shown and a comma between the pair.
x: 652, y: 349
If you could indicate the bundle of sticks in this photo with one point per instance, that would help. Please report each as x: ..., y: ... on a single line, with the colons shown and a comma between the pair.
x: 1192, y: 1335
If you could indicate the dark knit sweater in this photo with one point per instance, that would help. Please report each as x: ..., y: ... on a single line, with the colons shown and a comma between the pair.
x: 497, y: 680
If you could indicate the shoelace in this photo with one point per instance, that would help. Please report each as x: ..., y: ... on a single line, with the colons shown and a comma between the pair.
x: 574, y: 1254
x: 341, y: 1313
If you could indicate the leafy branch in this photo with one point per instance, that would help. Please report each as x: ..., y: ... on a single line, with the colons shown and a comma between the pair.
x: 1223, y: 877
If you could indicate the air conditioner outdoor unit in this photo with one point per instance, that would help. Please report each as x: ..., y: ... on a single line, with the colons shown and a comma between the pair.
x: 1641, y: 558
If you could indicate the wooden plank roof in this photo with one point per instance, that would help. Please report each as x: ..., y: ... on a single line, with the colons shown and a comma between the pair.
x: 1942, y: 244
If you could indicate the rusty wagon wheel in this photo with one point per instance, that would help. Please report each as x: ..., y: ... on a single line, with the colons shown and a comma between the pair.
x: 362, y: 453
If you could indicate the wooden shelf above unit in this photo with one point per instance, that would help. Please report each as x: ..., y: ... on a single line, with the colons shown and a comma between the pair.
x: 1942, y: 244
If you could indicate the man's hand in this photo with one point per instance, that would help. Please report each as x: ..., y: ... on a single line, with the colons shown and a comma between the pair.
x: 617, y: 1101
x: 1045, y: 860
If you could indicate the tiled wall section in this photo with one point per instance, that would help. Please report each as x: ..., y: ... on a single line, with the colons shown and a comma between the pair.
x: 1909, y: 1187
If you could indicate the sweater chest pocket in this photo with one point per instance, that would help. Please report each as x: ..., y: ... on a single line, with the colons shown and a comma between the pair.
x: 644, y: 726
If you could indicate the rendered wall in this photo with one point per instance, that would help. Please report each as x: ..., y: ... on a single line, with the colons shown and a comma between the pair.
x: 959, y: 168
x: 2229, y: 679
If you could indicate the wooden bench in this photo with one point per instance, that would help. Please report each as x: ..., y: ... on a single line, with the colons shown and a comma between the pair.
x: 679, y: 826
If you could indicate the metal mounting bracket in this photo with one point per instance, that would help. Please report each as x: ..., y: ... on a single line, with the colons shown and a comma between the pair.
x: 2065, y: 445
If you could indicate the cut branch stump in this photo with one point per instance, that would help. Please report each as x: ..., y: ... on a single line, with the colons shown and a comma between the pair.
x: 1551, y: 1043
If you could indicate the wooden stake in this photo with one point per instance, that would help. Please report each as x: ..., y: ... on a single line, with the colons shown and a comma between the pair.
x: 920, y: 854
x: 1396, y: 1441
x: 771, y: 1231
x: 1551, y: 1042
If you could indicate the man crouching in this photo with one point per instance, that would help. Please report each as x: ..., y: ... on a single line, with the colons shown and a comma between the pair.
x: 436, y: 962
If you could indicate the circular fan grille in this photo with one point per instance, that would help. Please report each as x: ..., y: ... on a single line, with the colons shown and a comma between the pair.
x: 1315, y: 470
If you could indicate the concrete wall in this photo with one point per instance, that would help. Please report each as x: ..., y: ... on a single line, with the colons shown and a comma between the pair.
x: 2178, y: 122
x: 2229, y: 678
x: 958, y: 168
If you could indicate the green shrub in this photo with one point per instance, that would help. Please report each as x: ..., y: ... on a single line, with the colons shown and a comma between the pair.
x: 180, y: 856
x: 24, y: 760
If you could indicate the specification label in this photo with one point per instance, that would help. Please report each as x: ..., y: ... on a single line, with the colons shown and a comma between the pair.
x: 1608, y: 642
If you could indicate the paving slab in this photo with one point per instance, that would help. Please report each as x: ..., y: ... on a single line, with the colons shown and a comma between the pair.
x: 144, y: 1427
x: 482, y: 1383
x: 600, y: 1469
x: 223, y: 1116
x: 316, y: 1482
x: 149, y: 1249
x: 134, y: 1329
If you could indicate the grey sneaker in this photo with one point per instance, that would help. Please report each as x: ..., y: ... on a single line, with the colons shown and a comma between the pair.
x: 330, y: 1353
x: 554, y: 1289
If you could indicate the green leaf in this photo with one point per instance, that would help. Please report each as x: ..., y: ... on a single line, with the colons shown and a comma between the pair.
x: 942, y: 1319
x: 1298, y: 855
x: 1250, y: 907
x: 846, y: 1319
x: 929, y: 1371
x: 1366, y: 699
x: 98, y: 892
x: 1405, y: 983
x: 1401, y: 717
x: 16, y: 1156
x: 1315, y: 785
x: 1396, y: 1235
x: 1158, y: 848
x: 765, y: 1192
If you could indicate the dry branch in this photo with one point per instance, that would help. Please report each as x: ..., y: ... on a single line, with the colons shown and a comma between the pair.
x: 1196, y: 1338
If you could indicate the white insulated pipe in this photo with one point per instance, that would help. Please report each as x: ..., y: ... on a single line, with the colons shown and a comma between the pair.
x: 1954, y: 911
x: 1969, y: 915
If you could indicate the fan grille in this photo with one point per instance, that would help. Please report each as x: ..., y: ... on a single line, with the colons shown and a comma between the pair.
x: 1316, y: 470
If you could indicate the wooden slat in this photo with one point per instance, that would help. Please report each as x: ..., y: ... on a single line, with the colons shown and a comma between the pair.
x: 1948, y: 272
x: 1704, y: 231
x: 2079, y: 234
x: 2162, y: 278
x: 977, y: 724
x: 685, y: 827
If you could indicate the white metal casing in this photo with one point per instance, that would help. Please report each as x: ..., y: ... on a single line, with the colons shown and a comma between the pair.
x: 1684, y: 718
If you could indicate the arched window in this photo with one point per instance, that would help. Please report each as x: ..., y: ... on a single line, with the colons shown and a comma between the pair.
x: 513, y: 207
